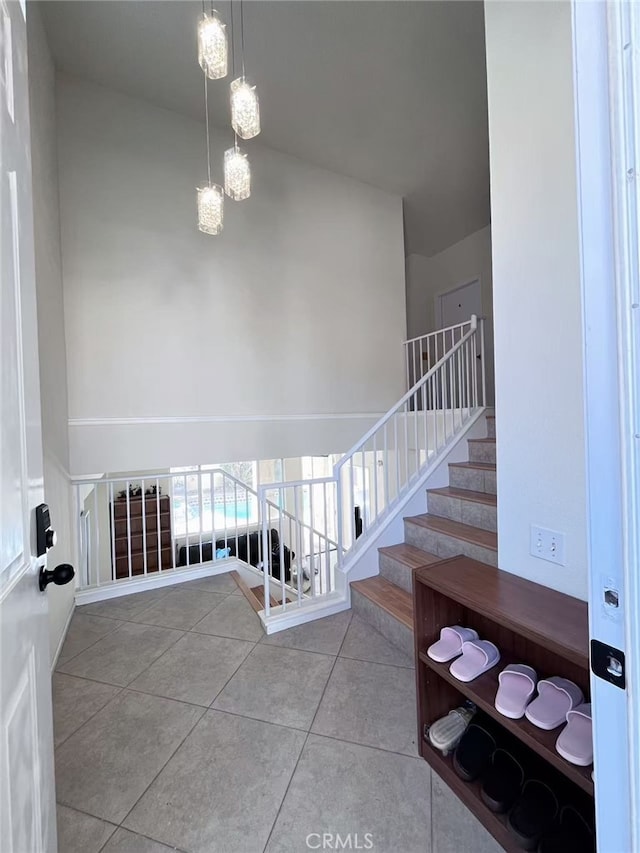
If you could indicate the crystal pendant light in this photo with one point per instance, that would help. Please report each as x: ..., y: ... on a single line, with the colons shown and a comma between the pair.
x: 237, y: 174
x: 211, y: 196
x: 210, y: 209
x: 212, y: 45
x: 245, y: 109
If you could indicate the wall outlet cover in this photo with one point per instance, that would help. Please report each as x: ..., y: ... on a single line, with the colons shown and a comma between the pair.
x: 547, y: 544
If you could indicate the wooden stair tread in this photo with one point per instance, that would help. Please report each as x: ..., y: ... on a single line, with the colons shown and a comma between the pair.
x: 253, y: 594
x: 485, y: 440
x: 474, y: 535
x: 258, y: 591
x: 481, y: 466
x: 395, y: 601
x: 465, y: 495
x: 409, y: 555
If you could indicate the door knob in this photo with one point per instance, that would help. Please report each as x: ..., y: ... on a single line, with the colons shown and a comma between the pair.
x: 60, y: 575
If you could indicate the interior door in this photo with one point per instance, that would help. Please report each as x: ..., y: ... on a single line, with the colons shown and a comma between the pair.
x: 458, y: 305
x: 27, y: 796
x: 454, y: 307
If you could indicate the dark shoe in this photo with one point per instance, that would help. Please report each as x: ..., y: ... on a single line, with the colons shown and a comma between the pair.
x: 502, y: 782
x: 574, y: 834
x: 533, y: 815
x: 473, y: 753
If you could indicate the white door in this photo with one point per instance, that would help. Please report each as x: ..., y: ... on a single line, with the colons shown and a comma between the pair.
x: 27, y: 796
x: 606, y: 42
x: 452, y: 308
x: 457, y: 306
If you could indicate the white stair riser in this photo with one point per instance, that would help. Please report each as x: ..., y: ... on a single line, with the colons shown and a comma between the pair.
x: 482, y: 451
x: 469, y: 512
x: 474, y: 479
x: 445, y: 545
x: 390, y: 627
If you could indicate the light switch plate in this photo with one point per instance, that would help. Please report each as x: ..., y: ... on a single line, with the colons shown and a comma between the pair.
x: 547, y: 544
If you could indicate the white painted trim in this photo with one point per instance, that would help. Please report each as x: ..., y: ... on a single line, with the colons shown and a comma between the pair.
x: 63, y: 637
x: 624, y: 66
x: 598, y: 57
x: 156, y: 581
x: 221, y: 419
x: 308, y: 611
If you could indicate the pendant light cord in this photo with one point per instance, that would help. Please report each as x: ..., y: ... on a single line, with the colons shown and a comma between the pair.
x: 233, y: 65
x: 242, y: 34
x: 206, y: 115
x: 233, y: 43
x: 206, y: 109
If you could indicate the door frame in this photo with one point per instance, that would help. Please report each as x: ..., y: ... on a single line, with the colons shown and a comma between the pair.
x: 440, y: 296
x: 607, y: 113
x: 27, y: 800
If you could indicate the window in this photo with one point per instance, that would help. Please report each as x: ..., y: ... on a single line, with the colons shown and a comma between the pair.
x: 205, y: 501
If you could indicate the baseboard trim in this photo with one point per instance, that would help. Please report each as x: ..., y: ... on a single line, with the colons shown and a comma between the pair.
x: 280, y: 620
x: 63, y: 636
x: 116, y: 589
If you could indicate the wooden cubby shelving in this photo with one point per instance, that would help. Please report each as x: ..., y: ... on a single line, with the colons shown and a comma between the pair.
x: 142, y: 535
x: 529, y: 624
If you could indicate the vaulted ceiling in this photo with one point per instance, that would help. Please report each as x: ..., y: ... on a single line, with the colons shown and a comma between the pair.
x: 391, y: 93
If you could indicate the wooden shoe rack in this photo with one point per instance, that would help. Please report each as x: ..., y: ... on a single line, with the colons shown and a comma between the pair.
x: 142, y: 536
x: 529, y: 624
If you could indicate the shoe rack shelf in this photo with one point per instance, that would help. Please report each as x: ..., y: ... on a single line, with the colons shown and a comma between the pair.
x: 482, y: 692
x: 529, y: 624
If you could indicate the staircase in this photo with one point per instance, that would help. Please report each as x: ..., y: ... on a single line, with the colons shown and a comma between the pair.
x: 320, y: 530
x: 461, y: 519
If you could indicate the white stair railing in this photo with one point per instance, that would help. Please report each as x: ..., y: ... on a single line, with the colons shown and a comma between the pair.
x: 302, y: 513
x: 159, y: 524
x: 378, y: 471
x: 423, y: 352
x: 298, y: 533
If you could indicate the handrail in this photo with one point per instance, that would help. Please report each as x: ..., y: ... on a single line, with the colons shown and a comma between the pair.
x: 162, y: 475
x: 403, y: 400
x: 437, y: 332
x: 350, y: 504
x: 439, y: 403
x: 269, y: 487
x: 166, y: 475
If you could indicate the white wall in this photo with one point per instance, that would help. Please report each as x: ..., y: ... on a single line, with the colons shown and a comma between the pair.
x: 537, y: 307
x: 427, y: 278
x: 297, y: 309
x: 420, y: 315
x: 51, y: 335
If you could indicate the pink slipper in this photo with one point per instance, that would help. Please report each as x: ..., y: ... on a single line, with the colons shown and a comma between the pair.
x: 449, y: 645
x: 517, y: 684
x: 477, y: 657
x: 556, y: 697
x: 575, y: 741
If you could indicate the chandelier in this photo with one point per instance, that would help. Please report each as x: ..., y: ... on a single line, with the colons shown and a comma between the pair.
x: 213, y: 57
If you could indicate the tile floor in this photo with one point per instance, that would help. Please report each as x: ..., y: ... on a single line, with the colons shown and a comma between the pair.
x: 180, y: 726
